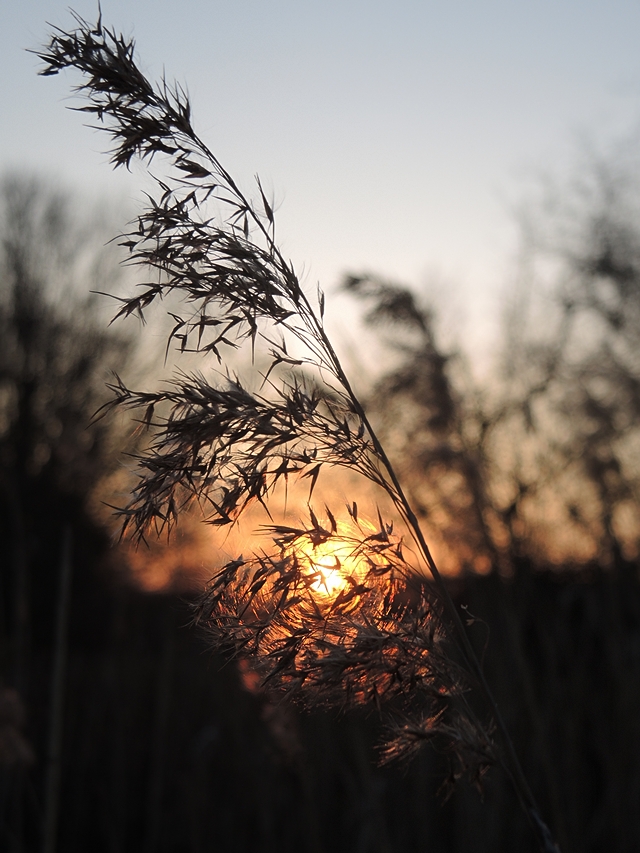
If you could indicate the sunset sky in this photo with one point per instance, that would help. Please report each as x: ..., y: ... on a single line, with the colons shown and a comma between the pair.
x: 394, y: 137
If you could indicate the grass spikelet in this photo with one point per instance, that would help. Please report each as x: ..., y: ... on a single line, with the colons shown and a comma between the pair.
x: 330, y: 614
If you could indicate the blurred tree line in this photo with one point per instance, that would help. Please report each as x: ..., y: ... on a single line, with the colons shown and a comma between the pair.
x: 55, y: 353
x: 118, y: 733
x: 537, y: 463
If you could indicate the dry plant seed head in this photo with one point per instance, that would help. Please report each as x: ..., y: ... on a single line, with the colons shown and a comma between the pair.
x: 347, y: 625
x: 222, y: 444
x: 333, y: 615
x: 332, y: 621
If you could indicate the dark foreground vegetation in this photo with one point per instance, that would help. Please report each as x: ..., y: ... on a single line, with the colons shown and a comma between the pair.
x: 163, y: 748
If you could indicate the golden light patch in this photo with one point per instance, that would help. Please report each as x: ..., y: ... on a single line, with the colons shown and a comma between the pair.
x: 333, y: 565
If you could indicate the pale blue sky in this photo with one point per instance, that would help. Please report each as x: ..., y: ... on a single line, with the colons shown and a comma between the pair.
x: 392, y: 135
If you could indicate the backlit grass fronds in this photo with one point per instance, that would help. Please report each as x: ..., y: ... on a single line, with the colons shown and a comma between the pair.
x: 330, y: 615
x: 471, y: 750
x: 335, y: 615
x: 208, y: 242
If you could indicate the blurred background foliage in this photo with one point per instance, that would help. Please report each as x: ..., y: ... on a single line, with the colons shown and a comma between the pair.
x: 539, y: 460
x: 118, y: 731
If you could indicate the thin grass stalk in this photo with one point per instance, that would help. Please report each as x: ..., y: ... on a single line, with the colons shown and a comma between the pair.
x: 397, y: 495
x: 58, y: 686
x: 20, y: 627
x: 158, y: 762
x: 226, y: 447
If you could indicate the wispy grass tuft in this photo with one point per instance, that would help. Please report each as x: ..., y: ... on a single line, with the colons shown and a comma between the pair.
x: 377, y: 635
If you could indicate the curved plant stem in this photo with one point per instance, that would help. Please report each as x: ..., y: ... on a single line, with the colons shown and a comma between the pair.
x: 249, y: 281
x: 400, y: 500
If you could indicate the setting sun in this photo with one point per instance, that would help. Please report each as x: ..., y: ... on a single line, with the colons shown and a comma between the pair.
x: 332, y: 565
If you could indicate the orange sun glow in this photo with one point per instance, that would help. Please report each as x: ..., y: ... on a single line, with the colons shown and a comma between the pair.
x: 332, y: 566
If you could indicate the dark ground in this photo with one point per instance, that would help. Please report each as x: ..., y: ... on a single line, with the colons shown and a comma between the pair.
x: 163, y: 749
